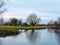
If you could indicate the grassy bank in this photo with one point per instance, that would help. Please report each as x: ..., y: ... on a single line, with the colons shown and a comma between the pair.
x: 14, y: 30
x: 21, y: 27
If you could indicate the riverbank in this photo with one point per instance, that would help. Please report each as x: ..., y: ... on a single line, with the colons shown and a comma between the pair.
x: 14, y: 30
x: 21, y: 27
x: 25, y: 27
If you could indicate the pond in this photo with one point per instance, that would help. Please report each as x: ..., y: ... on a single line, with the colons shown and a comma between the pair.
x: 37, y: 37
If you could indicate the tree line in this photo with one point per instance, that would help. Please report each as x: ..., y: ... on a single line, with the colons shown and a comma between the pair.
x: 55, y: 23
x: 32, y: 19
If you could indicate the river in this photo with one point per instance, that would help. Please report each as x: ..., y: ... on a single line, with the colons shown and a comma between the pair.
x: 37, y: 37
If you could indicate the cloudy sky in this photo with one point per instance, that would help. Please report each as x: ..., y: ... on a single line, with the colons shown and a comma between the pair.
x: 45, y: 9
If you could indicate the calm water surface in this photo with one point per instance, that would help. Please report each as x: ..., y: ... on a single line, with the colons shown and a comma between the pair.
x: 38, y: 37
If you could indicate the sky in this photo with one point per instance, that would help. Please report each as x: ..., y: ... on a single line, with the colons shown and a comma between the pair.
x: 45, y: 9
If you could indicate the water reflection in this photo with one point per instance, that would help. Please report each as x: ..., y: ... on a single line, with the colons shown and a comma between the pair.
x: 1, y: 41
x: 57, y: 34
x: 5, y: 33
x: 32, y: 36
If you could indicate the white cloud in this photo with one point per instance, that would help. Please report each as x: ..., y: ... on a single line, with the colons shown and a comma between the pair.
x: 24, y: 12
x: 45, y: 9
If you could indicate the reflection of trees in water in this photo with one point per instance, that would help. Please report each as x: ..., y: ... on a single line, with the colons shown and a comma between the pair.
x: 0, y: 41
x: 5, y: 33
x: 50, y: 30
x: 32, y: 36
x: 57, y: 34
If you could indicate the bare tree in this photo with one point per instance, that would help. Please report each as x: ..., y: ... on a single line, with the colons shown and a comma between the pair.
x: 50, y: 22
x: 2, y: 9
x: 32, y: 19
x: 57, y: 23
x: 58, y: 20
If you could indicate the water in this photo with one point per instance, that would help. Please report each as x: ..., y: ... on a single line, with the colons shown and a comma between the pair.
x: 37, y: 37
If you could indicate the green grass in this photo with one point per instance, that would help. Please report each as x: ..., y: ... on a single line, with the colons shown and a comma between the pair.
x: 21, y: 27
x: 14, y: 30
